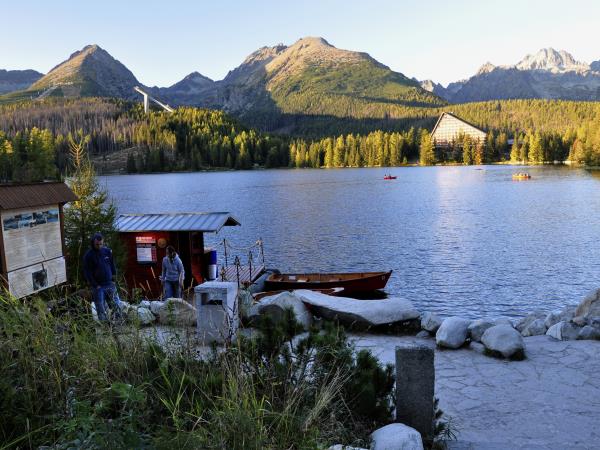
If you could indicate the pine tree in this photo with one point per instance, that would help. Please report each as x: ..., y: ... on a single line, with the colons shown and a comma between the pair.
x: 91, y: 213
x: 339, y: 151
x: 426, y: 149
x: 515, y: 151
x: 467, y: 150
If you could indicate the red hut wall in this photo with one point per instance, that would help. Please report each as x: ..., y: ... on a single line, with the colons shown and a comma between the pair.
x: 145, y: 275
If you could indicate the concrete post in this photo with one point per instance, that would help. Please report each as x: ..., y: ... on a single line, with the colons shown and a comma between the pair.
x: 218, y: 315
x: 415, y: 384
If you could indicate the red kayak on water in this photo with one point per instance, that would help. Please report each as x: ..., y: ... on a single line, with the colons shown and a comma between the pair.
x: 389, y: 177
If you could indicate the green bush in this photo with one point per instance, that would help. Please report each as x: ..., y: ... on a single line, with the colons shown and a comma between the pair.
x: 67, y: 382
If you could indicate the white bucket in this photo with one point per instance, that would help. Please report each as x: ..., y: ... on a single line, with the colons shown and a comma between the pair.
x: 212, y: 271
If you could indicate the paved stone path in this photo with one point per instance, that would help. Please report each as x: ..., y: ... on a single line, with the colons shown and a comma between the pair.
x: 551, y: 400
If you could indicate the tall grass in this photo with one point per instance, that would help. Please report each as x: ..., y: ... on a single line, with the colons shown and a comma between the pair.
x: 67, y: 382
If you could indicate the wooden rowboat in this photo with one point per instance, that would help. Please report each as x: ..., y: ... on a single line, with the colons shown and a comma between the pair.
x: 351, y: 282
x: 331, y: 291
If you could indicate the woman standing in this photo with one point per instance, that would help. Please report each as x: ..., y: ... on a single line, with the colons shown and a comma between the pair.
x: 172, y: 273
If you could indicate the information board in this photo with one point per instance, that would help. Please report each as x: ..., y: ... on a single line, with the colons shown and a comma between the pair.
x: 31, y: 236
x: 31, y: 279
x: 33, y: 249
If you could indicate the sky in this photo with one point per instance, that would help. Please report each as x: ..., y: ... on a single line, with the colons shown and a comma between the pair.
x: 163, y: 41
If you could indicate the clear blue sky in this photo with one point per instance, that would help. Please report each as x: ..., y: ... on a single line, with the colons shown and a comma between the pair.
x: 162, y: 41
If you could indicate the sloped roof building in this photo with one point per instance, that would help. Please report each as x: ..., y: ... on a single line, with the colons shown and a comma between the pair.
x: 449, y: 127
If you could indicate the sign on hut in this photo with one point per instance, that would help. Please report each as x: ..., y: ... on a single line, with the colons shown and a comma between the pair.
x: 32, y: 251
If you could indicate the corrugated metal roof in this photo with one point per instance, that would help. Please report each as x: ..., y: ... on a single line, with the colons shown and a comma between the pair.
x: 206, y: 222
x: 16, y: 196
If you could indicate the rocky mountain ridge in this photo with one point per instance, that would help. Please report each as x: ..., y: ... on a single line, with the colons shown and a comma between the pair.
x: 91, y: 71
x: 15, y: 80
x: 548, y: 74
x: 313, y: 78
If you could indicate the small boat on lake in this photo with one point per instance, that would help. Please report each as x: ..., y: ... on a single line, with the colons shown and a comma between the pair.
x: 351, y: 282
x: 521, y: 176
x: 389, y: 177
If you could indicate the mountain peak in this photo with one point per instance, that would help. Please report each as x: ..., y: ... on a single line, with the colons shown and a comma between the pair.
x: 85, y: 51
x: 90, y: 71
x: 197, y: 76
x: 551, y: 60
x: 486, y: 68
x: 312, y: 40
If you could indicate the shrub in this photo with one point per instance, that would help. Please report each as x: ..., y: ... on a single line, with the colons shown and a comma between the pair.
x: 68, y: 382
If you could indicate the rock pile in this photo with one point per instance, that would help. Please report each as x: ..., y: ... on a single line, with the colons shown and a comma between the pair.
x: 499, y: 338
x: 173, y: 311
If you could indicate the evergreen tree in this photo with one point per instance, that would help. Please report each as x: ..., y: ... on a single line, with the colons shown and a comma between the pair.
x: 478, y: 153
x: 339, y: 152
x: 467, y: 150
x: 536, y: 154
x: 89, y: 214
x: 515, y: 150
x: 426, y: 149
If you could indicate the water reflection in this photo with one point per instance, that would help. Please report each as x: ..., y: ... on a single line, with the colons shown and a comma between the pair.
x: 460, y: 240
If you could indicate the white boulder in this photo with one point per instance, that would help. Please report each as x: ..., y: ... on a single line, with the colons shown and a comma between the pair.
x: 478, y: 327
x: 564, y: 331
x: 565, y: 314
x: 504, y: 321
x: 246, y: 303
x: 430, y: 321
x: 155, y: 306
x: 527, y: 320
x: 396, y: 436
x: 124, y: 306
x: 145, y: 304
x: 344, y: 447
x: 589, y: 306
x: 453, y: 332
x: 360, y: 312
x: 589, y: 333
x: 176, y: 311
x: 140, y: 314
x: 504, y: 339
x: 275, y: 306
x: 94, y: 312
x: 535, y: 328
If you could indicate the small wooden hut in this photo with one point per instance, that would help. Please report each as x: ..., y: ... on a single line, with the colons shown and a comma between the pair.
x: 146, y: 237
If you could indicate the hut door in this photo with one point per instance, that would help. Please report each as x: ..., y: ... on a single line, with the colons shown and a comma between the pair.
x: 183, y: 239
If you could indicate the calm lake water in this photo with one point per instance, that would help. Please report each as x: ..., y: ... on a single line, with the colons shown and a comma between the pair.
x: 460, y: 240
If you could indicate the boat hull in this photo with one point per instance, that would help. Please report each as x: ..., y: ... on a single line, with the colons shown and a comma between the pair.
x: 351, y: 282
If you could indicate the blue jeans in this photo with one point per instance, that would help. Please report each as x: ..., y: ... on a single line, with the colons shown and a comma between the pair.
x: 172, y: 289
x: 103, y: 294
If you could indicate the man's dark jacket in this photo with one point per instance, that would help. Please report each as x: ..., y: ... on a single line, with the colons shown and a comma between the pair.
x: 98, y: 266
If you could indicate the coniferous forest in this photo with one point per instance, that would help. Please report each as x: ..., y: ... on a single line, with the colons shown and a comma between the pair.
x: 35, y: 138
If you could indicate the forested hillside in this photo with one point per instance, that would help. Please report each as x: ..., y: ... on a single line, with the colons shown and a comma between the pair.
x: 35, y: 138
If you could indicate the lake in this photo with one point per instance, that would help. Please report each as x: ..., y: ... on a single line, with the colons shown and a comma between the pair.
x: 461, y: 240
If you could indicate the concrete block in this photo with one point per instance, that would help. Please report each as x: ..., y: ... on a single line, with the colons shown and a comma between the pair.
x: 415, y: 384
x: 218, y: 311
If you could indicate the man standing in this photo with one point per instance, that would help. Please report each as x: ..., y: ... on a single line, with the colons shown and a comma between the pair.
x: 99, y: 270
